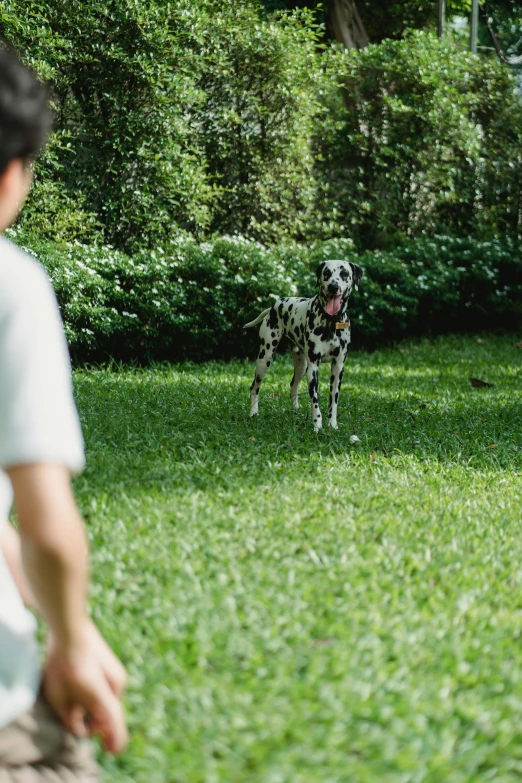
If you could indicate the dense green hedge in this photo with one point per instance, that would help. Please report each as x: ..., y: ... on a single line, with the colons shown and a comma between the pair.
x: 215, y: 117
x: 190, y: 301
x: 195, y: 115
x: 420, y: 138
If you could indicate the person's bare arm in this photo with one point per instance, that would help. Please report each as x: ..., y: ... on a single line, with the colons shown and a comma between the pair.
x: 83, y: 679
x: 53, y: 546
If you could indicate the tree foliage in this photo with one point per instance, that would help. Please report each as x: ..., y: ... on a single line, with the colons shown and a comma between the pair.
x: 170, y: 115
x: 202, y: 117
x: 420, y: 137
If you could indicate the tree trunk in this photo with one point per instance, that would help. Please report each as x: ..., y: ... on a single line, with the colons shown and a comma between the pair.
x: 346, y: 25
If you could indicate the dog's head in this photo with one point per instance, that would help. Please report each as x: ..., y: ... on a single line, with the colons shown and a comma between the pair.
x: 336, y: 280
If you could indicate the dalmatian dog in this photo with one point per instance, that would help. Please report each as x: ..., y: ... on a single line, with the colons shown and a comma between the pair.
x: 318, y: 330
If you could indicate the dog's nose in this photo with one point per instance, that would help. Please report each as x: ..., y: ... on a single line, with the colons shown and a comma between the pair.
x: 333, y: 288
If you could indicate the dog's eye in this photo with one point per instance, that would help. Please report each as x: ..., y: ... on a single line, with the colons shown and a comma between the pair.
x: 344, y: 274
x: 327, y: 274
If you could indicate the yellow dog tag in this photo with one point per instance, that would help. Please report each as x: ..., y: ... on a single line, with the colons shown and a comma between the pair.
x: 342, y: 325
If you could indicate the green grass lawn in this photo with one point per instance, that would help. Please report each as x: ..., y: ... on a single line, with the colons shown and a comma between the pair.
x: 295, y: 608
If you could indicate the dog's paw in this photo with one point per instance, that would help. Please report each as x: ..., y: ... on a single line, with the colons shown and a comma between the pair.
x: 253, y: 413
x: 333, y: 425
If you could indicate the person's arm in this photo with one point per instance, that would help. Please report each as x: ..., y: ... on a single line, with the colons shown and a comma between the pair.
x: 53, y: 546
x: 82, y: 678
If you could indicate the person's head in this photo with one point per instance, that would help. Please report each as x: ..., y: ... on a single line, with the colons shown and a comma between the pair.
x: 25, y: 120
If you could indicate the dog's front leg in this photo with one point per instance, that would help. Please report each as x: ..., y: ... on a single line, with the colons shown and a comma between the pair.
x: 312, y: 372
x: 335, y: 386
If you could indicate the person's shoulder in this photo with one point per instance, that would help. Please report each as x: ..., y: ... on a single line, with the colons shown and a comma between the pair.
x: 22, y: 277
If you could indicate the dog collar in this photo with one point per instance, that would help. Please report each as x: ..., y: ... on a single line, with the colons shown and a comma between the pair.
x: 342, y: 325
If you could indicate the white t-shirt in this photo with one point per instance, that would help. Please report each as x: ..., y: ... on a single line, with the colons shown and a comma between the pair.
x: 38, y: 423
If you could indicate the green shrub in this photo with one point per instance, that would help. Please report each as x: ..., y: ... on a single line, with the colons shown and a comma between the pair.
x: 419, y: 137
x: 190, y: 300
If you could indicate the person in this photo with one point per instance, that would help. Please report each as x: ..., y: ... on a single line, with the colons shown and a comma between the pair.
x: 45, y: 716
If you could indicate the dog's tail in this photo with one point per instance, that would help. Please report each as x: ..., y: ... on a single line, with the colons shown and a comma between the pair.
x: 258, y: 319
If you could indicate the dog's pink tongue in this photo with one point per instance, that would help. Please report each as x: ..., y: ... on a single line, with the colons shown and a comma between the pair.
x: 334, y: 305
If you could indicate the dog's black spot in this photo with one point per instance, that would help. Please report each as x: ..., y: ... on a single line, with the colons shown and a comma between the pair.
x: 274, y: 343
x: 262, y: 341
x: 268, y: 363
x: 336, y: 351
x: 336, y: 397
x: 262, y: 354
x: 314, y: 356
x: 272, y: 318
x: 290, y: 306
x: 313, y: 385
x: 258, y: 379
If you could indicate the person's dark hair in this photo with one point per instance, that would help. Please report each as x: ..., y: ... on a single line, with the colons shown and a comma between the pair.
x: 25, y: 115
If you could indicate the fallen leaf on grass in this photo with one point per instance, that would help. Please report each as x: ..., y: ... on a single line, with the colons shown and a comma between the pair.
x: 518, y: 345
x: 273, y: 395
x: 480, y: 341
x: 322, y: 642
x: 373, y: 455
x: 492, y: 446
x: 477, y: 383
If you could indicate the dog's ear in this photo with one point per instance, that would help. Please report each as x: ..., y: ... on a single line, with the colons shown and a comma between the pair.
x: 357, y: 274
x: 319, y: 272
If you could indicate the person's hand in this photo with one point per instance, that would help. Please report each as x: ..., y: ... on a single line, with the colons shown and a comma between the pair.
x: 84, y: 685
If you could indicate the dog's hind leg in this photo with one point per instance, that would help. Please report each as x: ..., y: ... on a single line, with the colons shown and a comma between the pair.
x: 270, y: 337
x: 299, y: 371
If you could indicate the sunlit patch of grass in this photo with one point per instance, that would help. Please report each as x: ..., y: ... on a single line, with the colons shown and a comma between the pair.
x: 294, y: 607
